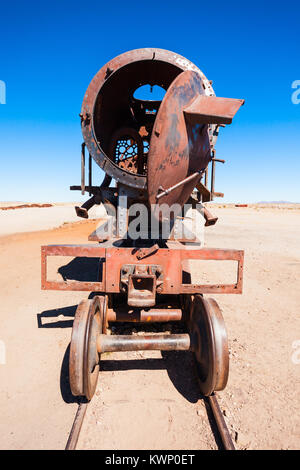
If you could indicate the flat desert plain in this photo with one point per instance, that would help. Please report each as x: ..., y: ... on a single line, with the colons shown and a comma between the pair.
x: 150, y: 400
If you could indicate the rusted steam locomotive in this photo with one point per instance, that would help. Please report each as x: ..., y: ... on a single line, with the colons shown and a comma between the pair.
x: 157, y: 153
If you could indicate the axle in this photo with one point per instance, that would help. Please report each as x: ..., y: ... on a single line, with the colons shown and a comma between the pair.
x: 149, y: 315
x: 114, y: 343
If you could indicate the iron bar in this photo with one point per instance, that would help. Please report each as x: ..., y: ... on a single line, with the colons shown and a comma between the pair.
x: 172, y: 188
x: 75, y: 431
x: 114, y: 343
x: 124, y: 314
x: 212, y: 187
x: 90, y: 173
x: 83, y: 168
x: 222, y: 427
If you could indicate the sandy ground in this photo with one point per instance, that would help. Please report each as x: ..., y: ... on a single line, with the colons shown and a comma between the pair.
x: 35, y: 218
x: 31, y: 219
x: 154, y: 403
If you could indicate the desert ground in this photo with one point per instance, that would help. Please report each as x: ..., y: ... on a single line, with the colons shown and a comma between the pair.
x: 150, y: 400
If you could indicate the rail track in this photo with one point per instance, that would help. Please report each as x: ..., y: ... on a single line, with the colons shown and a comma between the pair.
x: 156, y: 152
x: 76, y: 426
x: 206, y: 339
x: 212, y: 401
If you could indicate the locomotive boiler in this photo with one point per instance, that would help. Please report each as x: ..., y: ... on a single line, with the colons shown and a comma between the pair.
x: 158, y: 153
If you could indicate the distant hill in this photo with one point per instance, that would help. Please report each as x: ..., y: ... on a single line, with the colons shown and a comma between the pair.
x: 277, y: 202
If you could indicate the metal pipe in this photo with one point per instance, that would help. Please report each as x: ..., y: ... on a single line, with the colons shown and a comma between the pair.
x: 83, y: 168
x: 124, y: 314
x: 209, y: 218
x: 205, y: 177
x: 212, y: 190
x: 112, y: 343
x: 90, y: 173
x: 172, y: 188
x: 106, y: 181
x: 83, y: 210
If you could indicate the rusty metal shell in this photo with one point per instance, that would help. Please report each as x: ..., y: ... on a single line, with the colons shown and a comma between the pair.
x: 178, y: 149
x: 104, y: 107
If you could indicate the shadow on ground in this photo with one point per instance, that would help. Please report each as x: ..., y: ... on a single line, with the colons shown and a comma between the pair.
x: 179, y: 367
x: 55, y: 313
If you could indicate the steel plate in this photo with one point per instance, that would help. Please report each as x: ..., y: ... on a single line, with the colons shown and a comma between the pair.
x: 178, y: 147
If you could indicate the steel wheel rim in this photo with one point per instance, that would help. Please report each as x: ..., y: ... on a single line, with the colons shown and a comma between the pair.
x: 77, y: 348
x: 211, y: 353
x: 91, y: 357
x: 84, y: 358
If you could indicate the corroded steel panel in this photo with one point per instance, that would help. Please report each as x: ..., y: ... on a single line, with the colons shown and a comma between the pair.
x: 170, y: 259
x: 212, y: 109
x: 177, y: 148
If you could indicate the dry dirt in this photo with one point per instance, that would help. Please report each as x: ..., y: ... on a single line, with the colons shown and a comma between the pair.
x: 154, y: 403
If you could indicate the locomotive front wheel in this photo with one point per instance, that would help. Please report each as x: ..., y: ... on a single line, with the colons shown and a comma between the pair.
x: 84, y: 357
x: 211, y: 345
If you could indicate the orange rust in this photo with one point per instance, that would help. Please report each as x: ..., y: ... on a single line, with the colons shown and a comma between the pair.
x: 171, y: 261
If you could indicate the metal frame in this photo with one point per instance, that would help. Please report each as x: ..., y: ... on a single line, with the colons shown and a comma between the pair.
x: 170, y: 259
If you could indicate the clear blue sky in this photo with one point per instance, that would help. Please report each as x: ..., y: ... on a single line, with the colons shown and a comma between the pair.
x: 51, y: 50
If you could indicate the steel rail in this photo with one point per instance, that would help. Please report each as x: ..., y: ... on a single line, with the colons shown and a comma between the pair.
x: 220, y: 422
x: 213, y: 404
x: 76, y: 427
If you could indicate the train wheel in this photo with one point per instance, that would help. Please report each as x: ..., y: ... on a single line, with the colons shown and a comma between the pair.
x: 211, y: 345
x: 84, y: 357
x: 105, y: 307
x: 186, y: 305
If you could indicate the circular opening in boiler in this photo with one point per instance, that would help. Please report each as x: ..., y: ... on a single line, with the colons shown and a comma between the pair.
x: 149, y: 93
x: 125, y: 111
